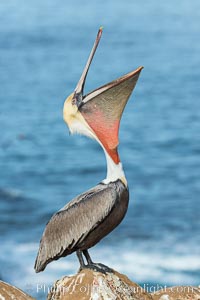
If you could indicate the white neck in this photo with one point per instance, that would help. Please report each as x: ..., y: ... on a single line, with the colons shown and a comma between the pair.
x: 79, y: 125
x: 114, y: 171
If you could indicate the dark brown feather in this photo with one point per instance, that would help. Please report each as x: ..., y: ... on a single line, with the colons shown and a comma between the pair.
x: 83, y: 222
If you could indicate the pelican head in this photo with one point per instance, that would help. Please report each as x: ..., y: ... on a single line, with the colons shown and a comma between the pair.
x: 98, y: 113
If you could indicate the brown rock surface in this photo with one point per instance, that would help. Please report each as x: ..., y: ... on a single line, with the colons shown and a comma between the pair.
x: 9, y: 292
x: 177, y: 293
x: 91, y: 285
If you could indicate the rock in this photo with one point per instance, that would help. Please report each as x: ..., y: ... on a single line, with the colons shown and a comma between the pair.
x: 91, y: 285
x: 177, y: 293
x: 9, y: 292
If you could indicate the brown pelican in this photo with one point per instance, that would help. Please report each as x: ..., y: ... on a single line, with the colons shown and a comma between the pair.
x: 89, y: 217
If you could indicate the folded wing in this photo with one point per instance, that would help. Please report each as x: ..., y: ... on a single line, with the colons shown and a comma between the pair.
x: 69, y: 226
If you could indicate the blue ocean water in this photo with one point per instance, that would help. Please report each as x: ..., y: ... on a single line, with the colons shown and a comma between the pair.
x: 43, y: 48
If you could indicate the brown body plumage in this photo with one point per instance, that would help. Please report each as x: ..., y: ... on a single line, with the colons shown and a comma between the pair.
x: 83, y: 222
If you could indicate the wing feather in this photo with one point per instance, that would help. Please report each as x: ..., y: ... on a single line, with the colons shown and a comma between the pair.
x: 69, y: 226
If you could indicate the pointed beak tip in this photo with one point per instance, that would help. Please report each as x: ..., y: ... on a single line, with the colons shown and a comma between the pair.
x: 140, y: 68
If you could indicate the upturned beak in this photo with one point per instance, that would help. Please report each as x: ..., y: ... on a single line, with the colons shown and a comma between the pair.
x: 102, y: 108
x: 78, y: 93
